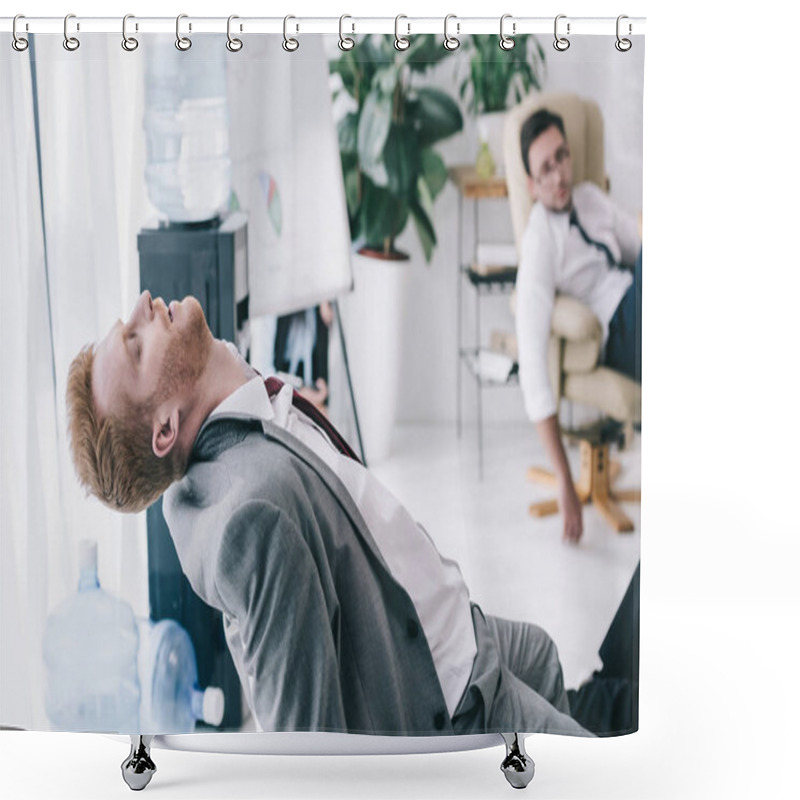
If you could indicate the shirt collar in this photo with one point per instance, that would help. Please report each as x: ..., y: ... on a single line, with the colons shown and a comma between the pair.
x: 249, y: 401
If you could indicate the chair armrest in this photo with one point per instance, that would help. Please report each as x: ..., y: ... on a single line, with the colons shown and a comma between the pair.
x: 573, y: 320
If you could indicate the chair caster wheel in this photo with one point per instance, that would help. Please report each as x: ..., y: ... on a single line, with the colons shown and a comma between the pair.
x: 517, y: 766
x: 138, y: 768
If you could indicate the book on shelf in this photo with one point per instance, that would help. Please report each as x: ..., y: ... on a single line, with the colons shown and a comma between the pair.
x: 491, y: 366
x: 492, y: 257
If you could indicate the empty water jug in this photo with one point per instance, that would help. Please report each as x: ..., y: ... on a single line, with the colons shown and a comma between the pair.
x: 90, y: 648
x: 188, y: 170
x: 172, y: 701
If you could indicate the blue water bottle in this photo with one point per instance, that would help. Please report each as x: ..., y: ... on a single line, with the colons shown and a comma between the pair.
x: 90, y: 649
x: 172, y: 701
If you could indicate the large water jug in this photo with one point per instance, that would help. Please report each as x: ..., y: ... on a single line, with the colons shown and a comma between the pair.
x: 90, y: 648
x: 186, y: 122
x: 172, y: 701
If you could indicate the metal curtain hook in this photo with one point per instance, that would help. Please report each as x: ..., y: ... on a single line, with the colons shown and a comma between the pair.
x: 507, y: 42
x: 451, y: 42
x: 70, y: 42
x: 19, y: 43
x: 561, y: 43
x: 345, y: 42
x: 401, y: 42
x: 129, y: 43
x: 182, y: 42
x: 234, y: 45
x: 623, y: 45
x: 289, y: 44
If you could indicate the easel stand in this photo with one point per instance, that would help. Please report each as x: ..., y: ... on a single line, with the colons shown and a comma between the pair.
x: 597, y: 474
x: 335, y: 305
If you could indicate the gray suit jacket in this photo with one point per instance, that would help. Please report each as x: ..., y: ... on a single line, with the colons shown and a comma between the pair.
x: 323, y: 637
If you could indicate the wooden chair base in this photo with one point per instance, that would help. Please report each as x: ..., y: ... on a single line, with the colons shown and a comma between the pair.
x: 593, y: 486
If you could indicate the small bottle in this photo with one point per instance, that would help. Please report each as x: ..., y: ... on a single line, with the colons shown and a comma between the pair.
x: 484, y: 164
x: 90, y: 646
x: 172, y: 701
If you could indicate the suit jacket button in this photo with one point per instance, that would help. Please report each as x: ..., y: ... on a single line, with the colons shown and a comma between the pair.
x: 438, y: 720
x: 412, y: 629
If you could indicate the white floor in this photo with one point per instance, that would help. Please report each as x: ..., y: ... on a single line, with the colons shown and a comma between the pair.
x: 515, y: 565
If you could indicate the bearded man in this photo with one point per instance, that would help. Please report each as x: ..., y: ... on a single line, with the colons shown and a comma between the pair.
x: 339, y: 612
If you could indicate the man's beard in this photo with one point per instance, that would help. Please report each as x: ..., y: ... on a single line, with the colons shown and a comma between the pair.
x: 186, y: 357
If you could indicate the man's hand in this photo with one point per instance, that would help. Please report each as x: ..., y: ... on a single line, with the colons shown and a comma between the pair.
x: 316, y: 395
x: 568, y: 501
x: 572, y: 511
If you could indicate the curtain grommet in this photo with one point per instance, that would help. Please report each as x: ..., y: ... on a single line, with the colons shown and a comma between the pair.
x: 19, y: 43
x: 289, y: 44
x: 507, y: 42
x: 129, y: 43
x: 70, y: 43
x: 451, y: 43
x: 401, y: 43
x: 183, y: 43
x: 346, y: 42
x: 622, y: 44
x: 233, y: 44
x: 560, y: 43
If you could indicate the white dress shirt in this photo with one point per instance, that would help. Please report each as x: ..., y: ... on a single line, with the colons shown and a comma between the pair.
x: 555, y: 258
x: 434, y: 583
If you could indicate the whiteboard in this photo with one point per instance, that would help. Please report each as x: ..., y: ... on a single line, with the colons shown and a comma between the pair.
x: 287, y: 174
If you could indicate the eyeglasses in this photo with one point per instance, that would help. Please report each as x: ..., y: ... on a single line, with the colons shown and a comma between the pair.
x: 550, y: 167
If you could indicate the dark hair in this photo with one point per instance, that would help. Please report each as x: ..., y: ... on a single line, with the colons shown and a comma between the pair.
x: 536, y: 124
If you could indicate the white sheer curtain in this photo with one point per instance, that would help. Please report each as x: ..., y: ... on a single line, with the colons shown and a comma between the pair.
x: 63, y: 281
x: 70, y: 269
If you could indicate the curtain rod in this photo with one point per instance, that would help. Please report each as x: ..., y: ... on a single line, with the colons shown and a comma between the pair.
x: 406, y: 25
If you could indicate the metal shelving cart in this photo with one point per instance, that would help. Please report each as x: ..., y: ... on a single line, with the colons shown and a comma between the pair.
x: 496, y: 281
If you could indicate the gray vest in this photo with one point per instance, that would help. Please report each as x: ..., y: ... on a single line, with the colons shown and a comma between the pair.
x: 322, y: 635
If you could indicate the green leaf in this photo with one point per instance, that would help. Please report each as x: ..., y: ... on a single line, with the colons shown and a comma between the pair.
x: 381, y: 49
x: 434, y: 115
x: 425, y: 51
x: 383, y: 215
x: 352, y: 193
x: 498, y: 78
x: 349, y: 69
x: 348, y: 133
x: 385, y: 80
x: 401, y: 159
x: 434, y: 171
x: 421, y: 211
x: 373, y: 130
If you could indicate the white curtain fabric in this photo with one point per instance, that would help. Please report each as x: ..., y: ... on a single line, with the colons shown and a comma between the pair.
x: 27, y: 405
x: 64, y: 279
x: 70, y: 269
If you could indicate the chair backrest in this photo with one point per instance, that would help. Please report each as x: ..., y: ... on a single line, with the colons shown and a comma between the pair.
x: 583, y: 124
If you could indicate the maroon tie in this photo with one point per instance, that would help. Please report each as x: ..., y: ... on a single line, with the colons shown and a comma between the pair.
x: 274, y: 385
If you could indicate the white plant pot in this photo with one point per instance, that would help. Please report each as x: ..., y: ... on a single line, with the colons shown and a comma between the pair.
x: 372, y: 318
x: 490, y: 130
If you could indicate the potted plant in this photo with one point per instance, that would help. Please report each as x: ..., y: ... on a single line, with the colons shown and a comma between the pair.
x: 391, y: 170
x: 392, y: 173
x: 497, y: 80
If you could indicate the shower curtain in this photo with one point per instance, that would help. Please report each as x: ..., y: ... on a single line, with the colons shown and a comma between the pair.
x: 269, y: 182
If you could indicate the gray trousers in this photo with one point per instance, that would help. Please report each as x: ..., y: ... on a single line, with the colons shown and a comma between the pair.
x: 516, y: 685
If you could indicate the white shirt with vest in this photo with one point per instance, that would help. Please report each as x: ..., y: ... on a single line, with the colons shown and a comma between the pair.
x: 555, y: 258
x: 434, y: 583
